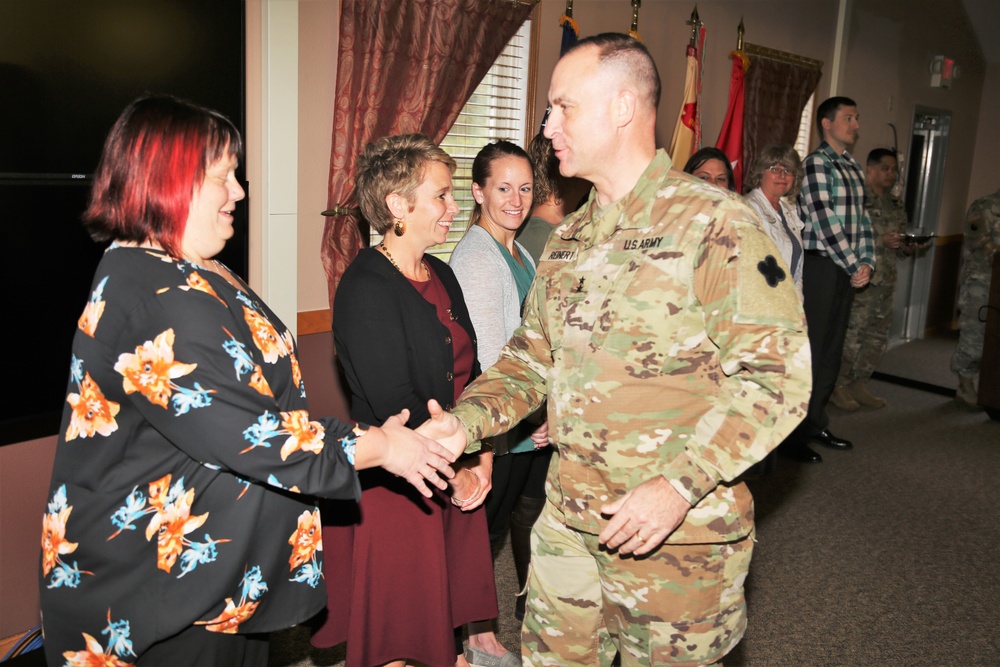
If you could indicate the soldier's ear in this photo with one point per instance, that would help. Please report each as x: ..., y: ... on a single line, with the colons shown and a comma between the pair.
x: 624, y: 107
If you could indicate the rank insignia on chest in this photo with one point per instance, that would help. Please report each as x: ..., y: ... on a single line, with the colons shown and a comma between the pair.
x: 642, y: 244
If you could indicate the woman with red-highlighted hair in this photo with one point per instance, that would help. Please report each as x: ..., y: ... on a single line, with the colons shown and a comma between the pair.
x: 176, y: 531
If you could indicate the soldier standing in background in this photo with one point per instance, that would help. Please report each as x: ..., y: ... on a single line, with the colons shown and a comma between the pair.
x: 871, y: 313
x: 980, y: 244
x: 670, y: 344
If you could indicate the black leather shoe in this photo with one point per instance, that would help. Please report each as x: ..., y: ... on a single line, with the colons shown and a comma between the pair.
x: 828, y: 439
x: 799, y: 451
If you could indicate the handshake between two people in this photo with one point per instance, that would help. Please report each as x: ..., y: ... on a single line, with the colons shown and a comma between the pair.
x: 639, y: 521
x: 425, y: 456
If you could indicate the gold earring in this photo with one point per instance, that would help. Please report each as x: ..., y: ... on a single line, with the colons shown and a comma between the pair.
x: 399, y: 227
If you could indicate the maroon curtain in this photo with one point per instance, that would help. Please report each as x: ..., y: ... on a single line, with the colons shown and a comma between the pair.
x: 404, y: 66
x: 778, y: 85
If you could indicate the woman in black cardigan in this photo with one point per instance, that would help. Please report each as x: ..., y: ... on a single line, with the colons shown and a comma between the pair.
x: 404, y: 572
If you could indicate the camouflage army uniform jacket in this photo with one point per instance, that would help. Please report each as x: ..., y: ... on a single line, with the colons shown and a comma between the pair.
x: 981, y: 240
x: 667, y: 340
x: 888, y: 214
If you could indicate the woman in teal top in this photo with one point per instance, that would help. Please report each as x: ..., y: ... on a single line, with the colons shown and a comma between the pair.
x: 495, y: 273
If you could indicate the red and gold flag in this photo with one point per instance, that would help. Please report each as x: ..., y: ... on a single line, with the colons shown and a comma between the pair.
x: 687, y: 130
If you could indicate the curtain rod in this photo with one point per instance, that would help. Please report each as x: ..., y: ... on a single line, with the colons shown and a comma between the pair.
x: 783, y: 56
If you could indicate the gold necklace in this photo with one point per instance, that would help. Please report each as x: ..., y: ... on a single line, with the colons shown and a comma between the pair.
x: 388, y: 254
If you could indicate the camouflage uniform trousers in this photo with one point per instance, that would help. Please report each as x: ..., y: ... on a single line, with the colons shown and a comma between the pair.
x: 974, y: 295
x: 867, y: 333
x: 681, y: 605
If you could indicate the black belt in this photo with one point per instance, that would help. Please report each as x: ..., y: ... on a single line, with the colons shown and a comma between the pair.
x: 816, y: 253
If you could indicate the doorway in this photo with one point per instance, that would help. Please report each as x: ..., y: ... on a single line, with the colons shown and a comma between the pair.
x: 924, y: 179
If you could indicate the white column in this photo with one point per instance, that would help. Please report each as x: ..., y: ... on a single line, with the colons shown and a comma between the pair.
x: 279, y: 158
x: 840, y: 46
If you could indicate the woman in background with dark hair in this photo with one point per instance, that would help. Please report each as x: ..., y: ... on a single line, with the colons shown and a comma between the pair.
x: 495, y: 272
x: 175, y: 533
x: 712, y: 165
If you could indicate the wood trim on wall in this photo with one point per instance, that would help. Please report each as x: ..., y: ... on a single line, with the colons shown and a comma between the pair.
x: 315, y: 321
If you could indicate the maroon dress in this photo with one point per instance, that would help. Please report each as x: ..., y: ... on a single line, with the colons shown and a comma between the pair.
x: 409, y: 570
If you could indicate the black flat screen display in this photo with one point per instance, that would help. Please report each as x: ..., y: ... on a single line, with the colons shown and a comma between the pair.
x: 67, y: 69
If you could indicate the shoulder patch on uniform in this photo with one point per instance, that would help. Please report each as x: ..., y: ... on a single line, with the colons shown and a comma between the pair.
x: 772, y: 273
x: 765, y: 290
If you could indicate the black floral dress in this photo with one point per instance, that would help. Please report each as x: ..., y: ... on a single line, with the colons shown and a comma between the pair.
x: 185, y: 444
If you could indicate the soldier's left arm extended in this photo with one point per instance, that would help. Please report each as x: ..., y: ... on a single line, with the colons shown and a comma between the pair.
x: 753, y: 315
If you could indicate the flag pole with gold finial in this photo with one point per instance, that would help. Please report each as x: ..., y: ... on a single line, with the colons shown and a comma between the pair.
x: 634, y: 30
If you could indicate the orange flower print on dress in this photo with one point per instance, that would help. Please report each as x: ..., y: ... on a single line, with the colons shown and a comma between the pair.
x: 229, y: 621
x: 297, y: 374
x: 195, y: 281
x: 54, y: 542
x: 265, y: 337
x: 93, y: 310
x: 304, y: 435
x: 259, y: 382
x: 232, y: 616
x: 171, y: 523
x: 170, y: 505
x: 93, y: 656
x: 306, y: 540
x: 91, y: 411
x: 119, y: 645
x: 296, y: 371
x: 151, y: 370
x: 55, y: 545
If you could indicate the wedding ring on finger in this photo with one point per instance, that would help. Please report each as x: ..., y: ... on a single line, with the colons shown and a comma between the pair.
x: 638, y: 537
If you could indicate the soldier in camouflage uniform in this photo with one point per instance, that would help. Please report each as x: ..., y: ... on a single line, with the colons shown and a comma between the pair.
x: 871, y: 313
x: 667, y: 335
x: 980, y: 244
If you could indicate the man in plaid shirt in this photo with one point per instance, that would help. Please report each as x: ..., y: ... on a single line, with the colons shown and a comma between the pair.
x: 840, y: 257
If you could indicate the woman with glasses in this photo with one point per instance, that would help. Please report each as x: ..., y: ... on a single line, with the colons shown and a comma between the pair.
x: 774, y: 181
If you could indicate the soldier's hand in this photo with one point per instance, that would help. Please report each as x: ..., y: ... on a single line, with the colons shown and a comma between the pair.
x: 892, y: 240
x: 443, y: 427
x: 643, y: 517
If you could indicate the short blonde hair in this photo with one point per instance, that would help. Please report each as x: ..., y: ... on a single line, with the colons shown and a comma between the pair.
x: 780, y: 154
x: 393, y: 164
